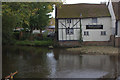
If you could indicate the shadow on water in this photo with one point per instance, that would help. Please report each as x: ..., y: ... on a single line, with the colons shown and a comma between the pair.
x: 35, y: 62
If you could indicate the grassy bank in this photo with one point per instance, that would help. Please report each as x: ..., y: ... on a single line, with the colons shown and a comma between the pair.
x: 34, y: 43
x: 96, y: 50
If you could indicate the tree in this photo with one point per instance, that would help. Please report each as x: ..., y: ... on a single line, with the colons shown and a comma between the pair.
x: 8, y: 23
x: 40, y: 18
x: 24, y: 14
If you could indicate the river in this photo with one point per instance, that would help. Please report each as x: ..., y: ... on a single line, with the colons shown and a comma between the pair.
x: 41, y: 62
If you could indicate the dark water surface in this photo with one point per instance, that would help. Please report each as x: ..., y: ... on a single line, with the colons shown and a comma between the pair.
x: 36, y: 62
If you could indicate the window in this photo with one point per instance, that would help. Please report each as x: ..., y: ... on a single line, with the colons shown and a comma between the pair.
x: 103, y: 33
x: 68, y: 20
x: 94, y: 26
x: 94, y: 20
x: 69, y: 31
x: 86, y: 33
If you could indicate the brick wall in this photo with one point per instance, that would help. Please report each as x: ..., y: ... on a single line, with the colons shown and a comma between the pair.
x: 117, y: 41
x: 69, y: 43
x: 94, y: 43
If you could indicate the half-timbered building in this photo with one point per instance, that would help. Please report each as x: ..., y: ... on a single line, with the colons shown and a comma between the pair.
x: 95, y: 21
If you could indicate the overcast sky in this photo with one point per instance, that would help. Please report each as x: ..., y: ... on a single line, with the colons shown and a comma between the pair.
x: 83, y: 1
x: 79, y: 1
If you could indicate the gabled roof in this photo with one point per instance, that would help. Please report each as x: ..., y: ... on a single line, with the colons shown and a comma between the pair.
x: 116, y: 8
x: 87, y: 10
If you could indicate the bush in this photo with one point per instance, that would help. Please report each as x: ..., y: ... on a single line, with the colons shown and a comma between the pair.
x: 24, y: 43
x: 35, y: 43
x: 25, y: 36
x: 16, y: 35
x: 43, y: 43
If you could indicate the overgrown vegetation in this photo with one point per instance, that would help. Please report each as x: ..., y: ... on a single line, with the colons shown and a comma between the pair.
x: 24, y: 15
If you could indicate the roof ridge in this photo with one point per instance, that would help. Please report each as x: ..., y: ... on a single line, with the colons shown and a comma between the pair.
x: 84, y: 4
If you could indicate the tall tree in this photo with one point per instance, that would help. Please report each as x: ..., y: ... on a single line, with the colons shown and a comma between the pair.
x: 24, y: 14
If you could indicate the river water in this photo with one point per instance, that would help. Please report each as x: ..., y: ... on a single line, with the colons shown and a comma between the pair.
x: 41, y: 62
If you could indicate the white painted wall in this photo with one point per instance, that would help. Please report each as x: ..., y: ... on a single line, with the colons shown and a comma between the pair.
x: 110, y: 7
x: 118, y: 29
x: 62, y: 32
x: 36, y: 31
x: 94, y: 34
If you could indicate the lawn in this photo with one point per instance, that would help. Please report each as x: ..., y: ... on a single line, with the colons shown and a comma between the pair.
x: 34, y: 43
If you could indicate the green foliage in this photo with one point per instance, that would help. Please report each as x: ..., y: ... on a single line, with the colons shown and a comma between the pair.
x: 8, y: 23
x: 16, y: 35
x: 35, y: 43
x: 23, y: 14
x: 25, y: 36
x: 40, y: 19
x: 24, y: 43
x: 43, y: 43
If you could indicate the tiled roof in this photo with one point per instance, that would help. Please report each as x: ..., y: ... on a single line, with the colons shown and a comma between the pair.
x: 116, y: 8
x: 87, y: 10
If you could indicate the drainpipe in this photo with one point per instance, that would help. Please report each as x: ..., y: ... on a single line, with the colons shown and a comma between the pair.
x: 56, y: 25
x: 116, y: 32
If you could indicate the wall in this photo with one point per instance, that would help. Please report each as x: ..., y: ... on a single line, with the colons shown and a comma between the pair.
x: 88, y: 43
x: 110, y: 7
x: 118, y: 35
x: 117, y: 38
x: 62, y: 32
x: 94, y: 35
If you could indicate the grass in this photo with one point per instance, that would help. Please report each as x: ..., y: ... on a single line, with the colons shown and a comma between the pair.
x: 34, y: 43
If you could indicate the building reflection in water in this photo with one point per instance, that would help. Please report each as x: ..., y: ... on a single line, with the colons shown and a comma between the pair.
x: 33, y: 62
x: 81, y: 66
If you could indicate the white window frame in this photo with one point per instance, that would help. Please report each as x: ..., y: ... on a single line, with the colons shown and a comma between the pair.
x: 68, y: 20
x: 86, y: 33
x: 94, y: 20
x: 69, y: 31
x: 103, y: 33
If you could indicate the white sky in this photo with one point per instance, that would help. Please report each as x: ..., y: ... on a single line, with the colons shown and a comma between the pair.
x: 83, y: 1
x: 79, y: 1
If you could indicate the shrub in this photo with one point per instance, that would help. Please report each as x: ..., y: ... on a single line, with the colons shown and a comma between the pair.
x: 16, y: 35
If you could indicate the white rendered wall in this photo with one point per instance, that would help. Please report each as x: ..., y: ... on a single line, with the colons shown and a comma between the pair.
x: 118, y: 35
x: 62, y: 29
x: 110, y: 7
x: 94, y: 34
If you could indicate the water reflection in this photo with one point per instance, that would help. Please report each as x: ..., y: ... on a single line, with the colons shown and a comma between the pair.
x: 52, y: 64
x: 34, y: 62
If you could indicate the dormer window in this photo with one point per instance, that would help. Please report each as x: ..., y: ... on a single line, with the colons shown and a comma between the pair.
x: 68, y: 20
x: 94, y: 20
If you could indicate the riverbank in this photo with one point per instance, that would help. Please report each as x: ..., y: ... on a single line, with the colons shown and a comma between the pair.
x: 96, y: 50
x: 34, y: 43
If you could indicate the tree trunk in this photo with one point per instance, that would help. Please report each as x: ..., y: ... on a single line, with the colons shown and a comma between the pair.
x: 41, y: 33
